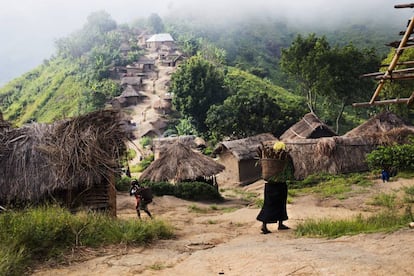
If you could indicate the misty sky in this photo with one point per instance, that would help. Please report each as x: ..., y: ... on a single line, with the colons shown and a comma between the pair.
x: 28, y: 28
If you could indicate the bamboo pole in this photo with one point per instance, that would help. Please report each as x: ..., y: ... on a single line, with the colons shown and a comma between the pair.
x: 394, y: 59
x: 410, y: 99
x: 406, y: 70
x: 384, y: 102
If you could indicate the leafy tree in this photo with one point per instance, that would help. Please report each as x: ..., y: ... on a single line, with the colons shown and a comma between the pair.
x: 342, y: 84
x: 155, y: 23
x: 185, y: 127
x: 244, y: 114
x: 304, y: 61
x: 197, y: 84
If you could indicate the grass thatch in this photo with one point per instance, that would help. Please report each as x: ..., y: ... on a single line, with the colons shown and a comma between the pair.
x: 309, y: 127
x: 332, y: 155
x: 38, y: 159
x: 180, y: 163
x: 246, y: 148
x: 379, y: 124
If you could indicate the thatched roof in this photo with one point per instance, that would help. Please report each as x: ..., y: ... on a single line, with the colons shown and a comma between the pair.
x: 309, y: 127
x: 3, y: 124
x: 38, y: 159
x: 244, y: 148
x: 332, y: 155
x: 129, y: 91
x: 340, y: 154
x: 131, y: 80
x: 164, y: 143
x: 180, y: 163
x: 380, y: 124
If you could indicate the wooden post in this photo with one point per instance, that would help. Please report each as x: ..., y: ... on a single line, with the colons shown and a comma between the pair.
x: 384, y: 102
x: 112, y: 195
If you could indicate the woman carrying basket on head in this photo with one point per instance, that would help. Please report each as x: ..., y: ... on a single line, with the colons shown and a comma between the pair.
x: 276, y: 191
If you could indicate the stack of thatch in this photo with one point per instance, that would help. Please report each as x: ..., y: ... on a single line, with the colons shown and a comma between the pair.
x: 39, y: 159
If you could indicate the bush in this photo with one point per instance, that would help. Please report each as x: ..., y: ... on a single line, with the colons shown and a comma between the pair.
x: 196, y: 191
x: 400, y: 157
x: 123, y: 184
x: 185, y: 190
x: 146, y: 162
x: 161, y: 188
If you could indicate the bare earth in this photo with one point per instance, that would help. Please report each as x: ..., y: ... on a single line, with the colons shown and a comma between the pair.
x: 227, y: 241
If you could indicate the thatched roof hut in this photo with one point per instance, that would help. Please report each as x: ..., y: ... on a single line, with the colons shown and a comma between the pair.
x: 344, y: 154
x: 334, y: 155
x: 240, y: 159
x: 380, y: 124
x: 71, y: 160
x: 180, y: 163
x: 161, y: 145
x: 309, y: 127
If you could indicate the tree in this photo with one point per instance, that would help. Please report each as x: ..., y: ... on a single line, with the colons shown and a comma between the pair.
x: 196, y: 85
x: 329, y: 76
x: 244, y: 114
x: 155, y: 23
x: 342, y: 83
x: 303, y: 61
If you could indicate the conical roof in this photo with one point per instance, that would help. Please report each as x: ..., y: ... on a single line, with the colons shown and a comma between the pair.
x: 180, y: 163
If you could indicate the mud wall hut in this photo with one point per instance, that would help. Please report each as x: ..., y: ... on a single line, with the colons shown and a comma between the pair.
x: 73, y: 162
x: 240, y: 159
x: 340, y: 154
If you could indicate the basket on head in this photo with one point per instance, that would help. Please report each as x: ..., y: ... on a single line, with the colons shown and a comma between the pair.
x: 271, y: 167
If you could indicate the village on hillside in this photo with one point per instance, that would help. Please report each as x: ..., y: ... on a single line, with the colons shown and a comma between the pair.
x: 145, y: 105
x: 80, y: 163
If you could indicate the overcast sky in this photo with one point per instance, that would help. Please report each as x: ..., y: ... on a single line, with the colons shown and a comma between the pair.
x: 28, y: 28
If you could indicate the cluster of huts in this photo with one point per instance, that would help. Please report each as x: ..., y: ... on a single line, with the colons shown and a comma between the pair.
x: 75, y: 161
x: 132, y: 76
x: 314, y: 148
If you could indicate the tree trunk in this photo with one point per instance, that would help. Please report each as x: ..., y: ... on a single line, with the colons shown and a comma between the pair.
x: 339, y: 117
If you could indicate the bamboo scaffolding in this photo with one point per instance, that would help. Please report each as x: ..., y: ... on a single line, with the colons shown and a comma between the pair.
x: 391, y: 74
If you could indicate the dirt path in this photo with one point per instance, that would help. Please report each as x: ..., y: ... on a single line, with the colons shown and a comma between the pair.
x: 227, y: 241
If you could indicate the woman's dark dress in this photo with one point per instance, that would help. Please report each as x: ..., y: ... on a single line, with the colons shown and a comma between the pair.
x: 274, y: 206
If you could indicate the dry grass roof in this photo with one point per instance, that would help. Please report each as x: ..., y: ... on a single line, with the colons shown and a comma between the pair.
x: 380, y: 124
x: 245, y: 148
x: 180, y: 163
x: 38, y: 159
x: 309, y: 127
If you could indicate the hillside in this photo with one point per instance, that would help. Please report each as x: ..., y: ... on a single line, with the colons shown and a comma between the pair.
x: 80, y: 79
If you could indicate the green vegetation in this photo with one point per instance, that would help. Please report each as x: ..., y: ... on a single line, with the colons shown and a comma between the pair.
x: 197, y: 84
x: 400, y: 157
x: 383, y: 222
x: 45, y: 233
x: 325, y: 76
x: 185, y: 190
x: 389, y: 219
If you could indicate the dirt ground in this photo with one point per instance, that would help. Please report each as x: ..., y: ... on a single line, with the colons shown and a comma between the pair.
x: 226, y: 240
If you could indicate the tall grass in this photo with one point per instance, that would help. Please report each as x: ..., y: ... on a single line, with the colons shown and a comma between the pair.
x: 383, y: 222
x: 48, y: 232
